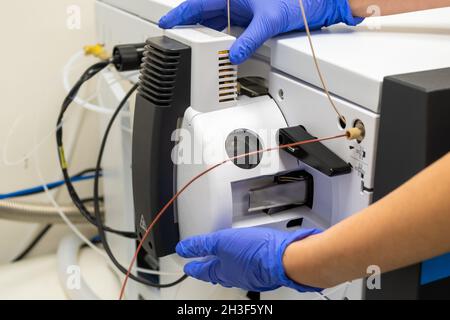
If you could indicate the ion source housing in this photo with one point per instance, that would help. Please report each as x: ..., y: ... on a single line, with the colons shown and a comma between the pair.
x: 164, y: 95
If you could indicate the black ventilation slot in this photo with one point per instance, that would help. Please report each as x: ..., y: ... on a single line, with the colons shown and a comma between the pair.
x: 156, y: 54
x: 159, y: 74
x: 169, y: 67
x: 161, y: 69
x: 163, y: 84
x: 164, y: 52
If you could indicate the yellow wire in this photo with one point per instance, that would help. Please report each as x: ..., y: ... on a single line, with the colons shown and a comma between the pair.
x: 316, y: 62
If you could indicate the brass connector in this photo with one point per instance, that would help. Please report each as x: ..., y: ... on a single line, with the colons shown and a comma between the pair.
x: 358, y: 132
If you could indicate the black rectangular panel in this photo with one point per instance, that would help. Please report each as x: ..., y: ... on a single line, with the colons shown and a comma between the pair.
x: 315, y: 155
x: 164, y: 96
x: 414, y: 132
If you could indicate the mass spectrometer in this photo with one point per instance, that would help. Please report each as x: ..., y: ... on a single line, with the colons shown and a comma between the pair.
x: 194, y: 109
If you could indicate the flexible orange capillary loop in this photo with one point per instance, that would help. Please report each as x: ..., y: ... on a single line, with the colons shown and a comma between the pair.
x: 187, y: 185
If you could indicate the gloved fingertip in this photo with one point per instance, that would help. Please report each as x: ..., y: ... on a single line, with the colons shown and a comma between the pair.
x: 237, y: 59
x: 164, y: 23
x: 192, y: 269
x: 181, y: 250
x: 358, y: 20
x: 238, y: 55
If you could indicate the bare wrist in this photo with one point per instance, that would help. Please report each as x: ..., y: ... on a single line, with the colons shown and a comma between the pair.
x: 298, y: 260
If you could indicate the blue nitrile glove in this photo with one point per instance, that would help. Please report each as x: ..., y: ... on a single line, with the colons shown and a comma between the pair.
x: 250, y: 259
x: 262, y: 18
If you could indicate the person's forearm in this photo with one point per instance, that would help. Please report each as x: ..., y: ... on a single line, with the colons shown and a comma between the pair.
x: 364, y: 8
x: 410, y: 225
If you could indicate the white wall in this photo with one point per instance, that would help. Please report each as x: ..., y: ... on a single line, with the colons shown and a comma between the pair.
x: 35, y: 44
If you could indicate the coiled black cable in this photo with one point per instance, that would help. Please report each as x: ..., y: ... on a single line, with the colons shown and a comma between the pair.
x: 101, y: 229
x: 33, y: 243
x: 87, y: 75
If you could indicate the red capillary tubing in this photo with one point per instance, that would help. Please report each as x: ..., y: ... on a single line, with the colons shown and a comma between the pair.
x: 187, y: 185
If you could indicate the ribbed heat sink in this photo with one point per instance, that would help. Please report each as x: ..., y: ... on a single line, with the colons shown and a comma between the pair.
x: 227, y: 78
x: 158, y: 75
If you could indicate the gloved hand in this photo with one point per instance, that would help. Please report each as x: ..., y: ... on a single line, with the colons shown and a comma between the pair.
x: 262, y: 18
x: 250, y: 259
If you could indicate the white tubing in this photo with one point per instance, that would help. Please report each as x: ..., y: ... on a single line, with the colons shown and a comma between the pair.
x: 78, y: 233
x: 72, y: 226
x: 67, y: 86
x: 61, y: 212
x: 85, y: 103
x: 67, y: 258
x: 36, y: 147
x: 35, y: 152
